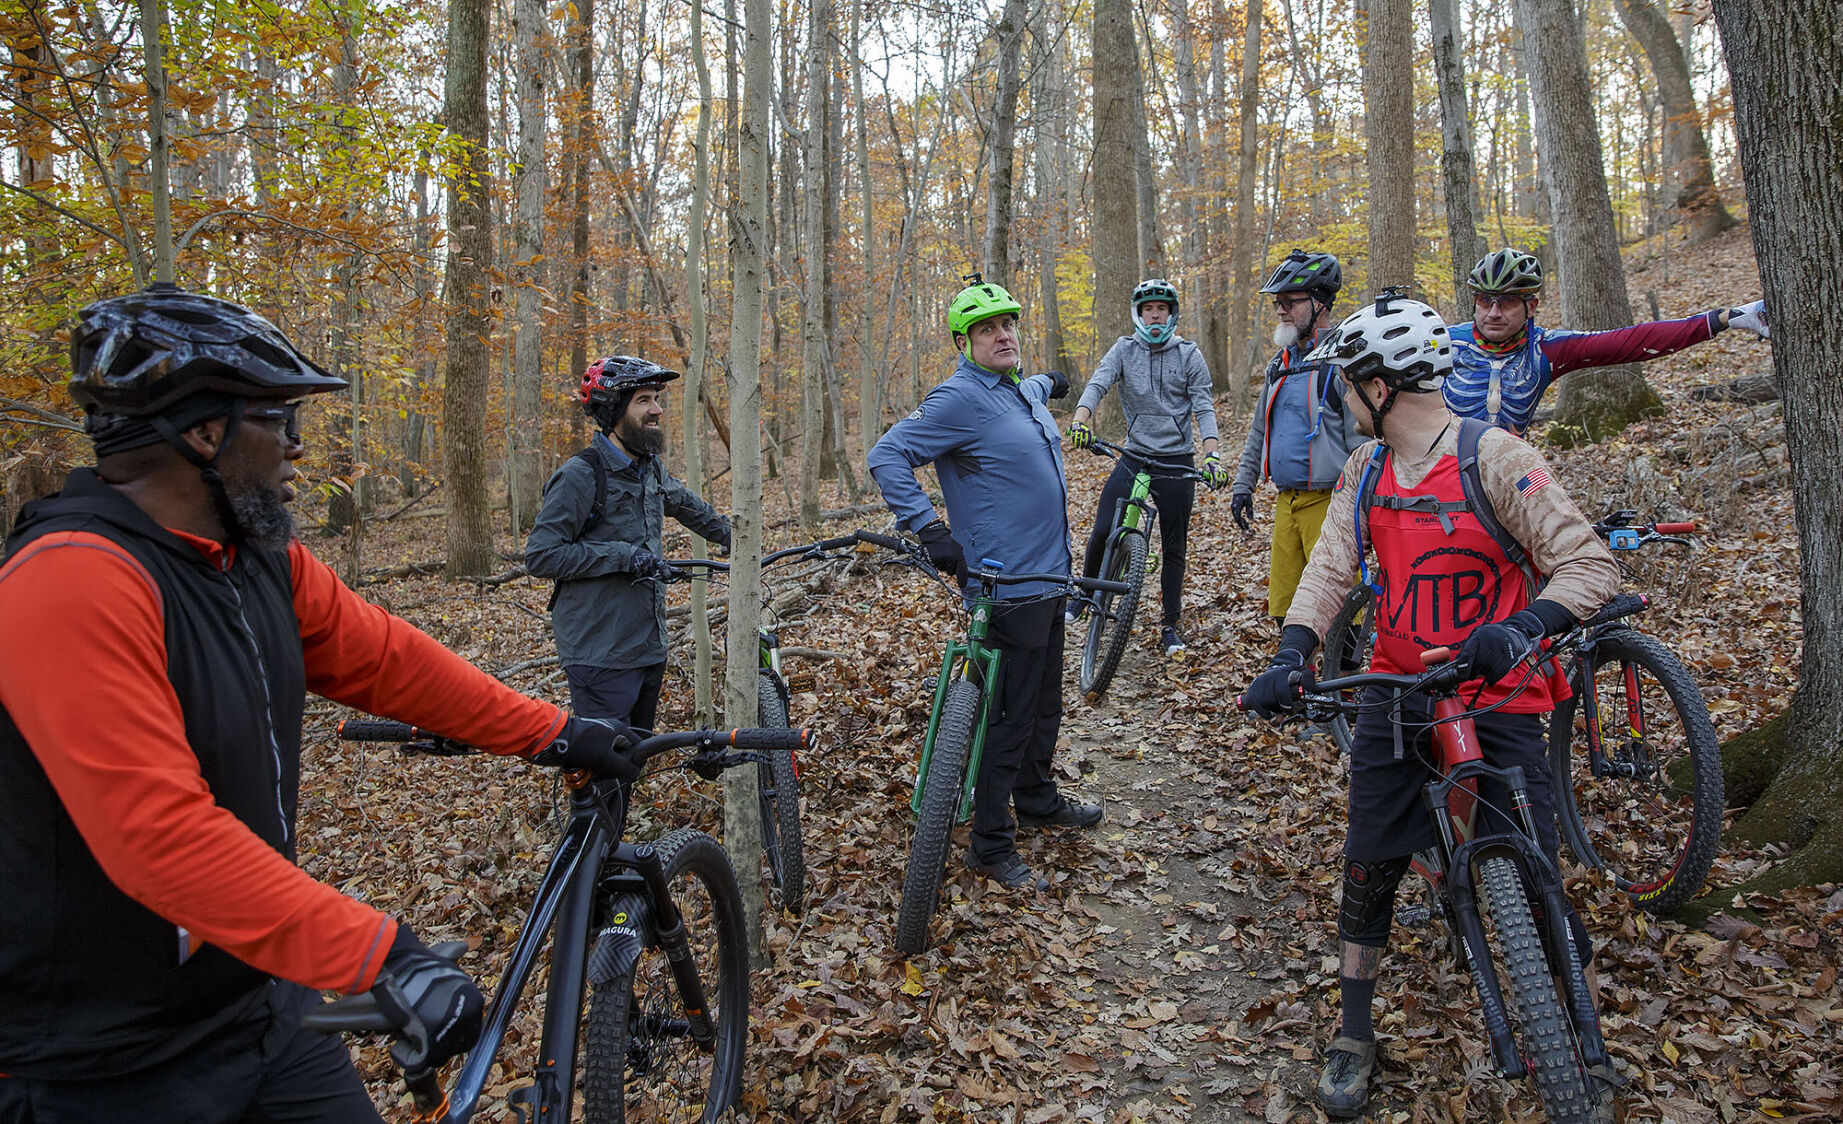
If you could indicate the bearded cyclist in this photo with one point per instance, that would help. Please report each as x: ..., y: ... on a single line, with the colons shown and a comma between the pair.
x: 1441, y: 579
x: 997, y: 452
x: 158, y: 943
x: 1164, y: 382
x: 1503, y: 362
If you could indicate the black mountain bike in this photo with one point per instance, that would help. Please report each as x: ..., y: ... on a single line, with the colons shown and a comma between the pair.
x: 653, y: 932
x: 1128, y: 559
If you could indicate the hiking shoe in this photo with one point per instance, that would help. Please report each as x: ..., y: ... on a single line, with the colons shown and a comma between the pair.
x: 1343, y: 1090
x: 1172, y: 641
x: 1603, y: 1083
x: 1075, y: 613
x: 1067, y: 814
x: 1012, y: 872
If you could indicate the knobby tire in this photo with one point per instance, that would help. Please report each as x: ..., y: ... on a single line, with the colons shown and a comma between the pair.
x: 1347, y: 652
x: 1657, y: 835
x: 778, y: 781
x: 940, y: 804
x: 1110, y: 618
x: 1545, y: 1033
x: 638, y: 1061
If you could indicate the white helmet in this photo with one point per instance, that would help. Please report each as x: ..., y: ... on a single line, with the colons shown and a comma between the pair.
x: 1403, y: 342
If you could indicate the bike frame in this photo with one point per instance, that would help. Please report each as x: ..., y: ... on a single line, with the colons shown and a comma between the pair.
x: 973, y: 654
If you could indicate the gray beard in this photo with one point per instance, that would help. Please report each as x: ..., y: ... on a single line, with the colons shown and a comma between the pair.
x: 264, y: 517
x: 1285, y: 335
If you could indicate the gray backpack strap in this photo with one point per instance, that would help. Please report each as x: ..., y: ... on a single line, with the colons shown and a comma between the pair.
x: 1471, y: 431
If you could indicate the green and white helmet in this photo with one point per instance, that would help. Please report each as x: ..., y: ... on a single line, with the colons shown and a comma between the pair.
x: 1156, y: 289
x: 979, y: 301
x: 1508, y: 270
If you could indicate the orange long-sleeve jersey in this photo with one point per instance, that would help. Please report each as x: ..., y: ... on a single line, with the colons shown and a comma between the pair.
x: 88, y: 688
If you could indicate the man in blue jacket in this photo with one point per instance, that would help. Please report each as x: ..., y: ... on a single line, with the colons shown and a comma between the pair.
x: 996, y: 450
x: 598, y: 535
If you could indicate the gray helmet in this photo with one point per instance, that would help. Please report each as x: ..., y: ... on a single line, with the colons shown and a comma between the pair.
x: 1508, y: 270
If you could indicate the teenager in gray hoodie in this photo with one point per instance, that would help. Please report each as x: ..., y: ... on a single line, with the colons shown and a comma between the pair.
x: 1164, y: 383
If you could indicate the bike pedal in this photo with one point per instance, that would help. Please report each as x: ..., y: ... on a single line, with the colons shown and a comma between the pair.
x: 1414, y: 915
x: 804, y: 681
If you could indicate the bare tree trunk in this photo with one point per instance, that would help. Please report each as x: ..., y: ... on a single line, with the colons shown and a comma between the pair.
x: 414, y: 424
x: 531, y: 27
x: 1003, y: 138
x: 465, y: 383
x: 1458, y: 174
x: 153, y: 29
x: 812, y: 376
x: 1145, y: 182
x: 870, y: 385
x: 344, y: 513
x: 703, y: 703
x: 1686, y: 150
x: 581, y: 129
x: 1201, y: 296
x: 1243, y: 266
x: 1788, y: 98
x: 1047, y: 92
x: 741, y: 807
x: 1388, y: 126
x: 1594, y: 402
x: 1115, y: 215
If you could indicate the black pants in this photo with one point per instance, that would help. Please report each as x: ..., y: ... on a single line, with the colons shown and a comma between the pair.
x: 1174, y: 498
x: 1021, y: 729
x: 264, y: 1071
x: 625, y: 694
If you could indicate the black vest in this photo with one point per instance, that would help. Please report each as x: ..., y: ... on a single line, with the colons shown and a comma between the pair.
x: 91, y: 982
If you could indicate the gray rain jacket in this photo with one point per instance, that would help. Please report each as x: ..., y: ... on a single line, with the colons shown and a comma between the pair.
x: 603, y: 616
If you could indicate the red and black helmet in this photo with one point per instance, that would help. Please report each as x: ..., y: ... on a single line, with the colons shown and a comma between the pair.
x: 609, y: 384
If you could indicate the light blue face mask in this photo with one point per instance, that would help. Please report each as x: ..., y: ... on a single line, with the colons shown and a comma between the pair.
x: 1154, y: 334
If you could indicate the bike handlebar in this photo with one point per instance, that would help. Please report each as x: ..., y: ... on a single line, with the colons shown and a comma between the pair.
x: 1102, y: 448
x: 416, y: 740
x: 1622, y: 531
x: 360, y: 1014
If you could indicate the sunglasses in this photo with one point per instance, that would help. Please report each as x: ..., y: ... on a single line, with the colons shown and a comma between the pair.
x: 1504, y: 302
x: 1287, y: 304
x: 283, y: 418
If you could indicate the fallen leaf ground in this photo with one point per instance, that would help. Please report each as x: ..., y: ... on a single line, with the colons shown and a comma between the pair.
x: 1182, y: 965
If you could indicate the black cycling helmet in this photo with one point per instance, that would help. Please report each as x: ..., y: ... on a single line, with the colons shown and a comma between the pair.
x: 1509, y: 271
x: 1317, y: 275
x: 138, y: 355
x: 608, y: 385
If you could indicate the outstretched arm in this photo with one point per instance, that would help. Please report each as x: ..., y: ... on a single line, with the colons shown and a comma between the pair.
x: 1571, y: 351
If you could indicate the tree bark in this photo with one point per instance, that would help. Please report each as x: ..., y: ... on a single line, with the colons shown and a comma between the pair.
x: 1242, y: 267
x: 741, y: 807
x: 531, y: 30
x: 1788, y: 98
x: 344, y: 512
x: 1115, y: 215
x: 870, y: 386
x: 153, y: 30
x: 1200, y: 300
x: 813, y: 362
x: 1686, y: 149
x: 703, y: 703
x: 1047, y: 92
x: 1593, y: 403
x: 1388, y: 125
x: 1151, y: 241
x: 465, y: 382
x: 581, y: 129
x: 1003, y: 145
x: 1458, y: 172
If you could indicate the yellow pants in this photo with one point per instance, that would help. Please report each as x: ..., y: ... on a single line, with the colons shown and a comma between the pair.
x: 1297, y: 518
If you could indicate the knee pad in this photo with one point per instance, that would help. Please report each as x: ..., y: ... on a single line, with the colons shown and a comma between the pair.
x: 1368, y: 906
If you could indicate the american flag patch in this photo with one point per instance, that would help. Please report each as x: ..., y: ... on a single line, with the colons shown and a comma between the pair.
x: 1536, y: 480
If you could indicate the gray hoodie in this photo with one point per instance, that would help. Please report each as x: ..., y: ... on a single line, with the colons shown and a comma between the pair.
x: 1160, y: 389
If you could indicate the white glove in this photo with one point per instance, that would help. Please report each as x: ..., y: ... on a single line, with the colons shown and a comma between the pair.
x: 1751, y: 317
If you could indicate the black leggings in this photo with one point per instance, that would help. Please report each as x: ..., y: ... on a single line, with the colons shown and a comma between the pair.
x: 1174, y: 497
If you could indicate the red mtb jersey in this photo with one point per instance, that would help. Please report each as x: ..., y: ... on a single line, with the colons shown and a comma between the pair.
x: 1441, y: 576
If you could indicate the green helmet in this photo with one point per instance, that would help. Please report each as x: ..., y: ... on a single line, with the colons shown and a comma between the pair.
x: 979, y: 301
x: 1508, y: 270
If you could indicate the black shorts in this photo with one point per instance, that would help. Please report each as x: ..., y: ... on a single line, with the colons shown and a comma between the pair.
x: 1387, y: 817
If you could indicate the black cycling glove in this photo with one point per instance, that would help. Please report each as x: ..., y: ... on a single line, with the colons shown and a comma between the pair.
x: 645, y: 564
x: 943, y: 550
x: 1241, y: 509
x: 435, y: 1005
x: 1058, y: 384
x: 599, y: 745
x: 1494, y: 650
x: 1276, y: 691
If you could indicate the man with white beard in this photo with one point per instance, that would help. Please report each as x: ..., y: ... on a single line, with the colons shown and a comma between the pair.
x: 1300, y: 434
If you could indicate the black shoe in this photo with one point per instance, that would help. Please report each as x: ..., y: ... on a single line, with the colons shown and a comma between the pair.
x: 1011, y: 871
x: 1172, y: 642
x: 1067, y: 814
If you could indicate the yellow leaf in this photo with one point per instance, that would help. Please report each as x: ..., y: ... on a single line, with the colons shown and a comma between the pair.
x: 1670, y: 1051
x: 807, y: 983
x: 913, y: 984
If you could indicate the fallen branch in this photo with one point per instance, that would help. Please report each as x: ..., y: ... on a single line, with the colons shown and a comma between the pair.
x: 524, y: 665
x: 409, y: 570
x: 425, y: 495
x: 510, y: 573
x: 41, y: 416
x: 814, y: 653
x: 835, y: 513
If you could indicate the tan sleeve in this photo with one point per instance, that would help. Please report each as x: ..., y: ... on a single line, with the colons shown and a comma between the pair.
x: 1582, y: 575
x: 1332, y: 568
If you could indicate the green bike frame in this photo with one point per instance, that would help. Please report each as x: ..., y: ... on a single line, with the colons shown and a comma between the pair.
x: 984, y: 662
x: 1133, y: 512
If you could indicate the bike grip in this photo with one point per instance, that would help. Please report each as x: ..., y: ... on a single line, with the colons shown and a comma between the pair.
x: 773, y: 739
x: 883, y: 541
x: 377, y: 730
x: 1434, y: 657
x: 359, y: 1014
x: 838, y: 543
x: 1102, y: 585
x: 1675, y: 528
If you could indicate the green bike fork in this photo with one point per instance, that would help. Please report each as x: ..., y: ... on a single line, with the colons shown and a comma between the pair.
x: 984, y: 669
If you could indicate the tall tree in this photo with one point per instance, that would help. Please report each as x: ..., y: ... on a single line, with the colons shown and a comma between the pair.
x: 530, y: 32
x: 741, y: 807
x: 1458, y: 173
x: 1145, y: 182
x: 1046, y: 176
x: 465, y: 381
x: 1604, y: 400
x: 1788, y: 99
x: 870, y: 387
x: 694, y: 369
x: 1388, y: 128
x: 1002, y: 144
x: 1686, y: 148
x: 1244, y: 263
x: 813, y: 245
x: 580, y: 123
x: 153, y: 30
x: 1115, y: 217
